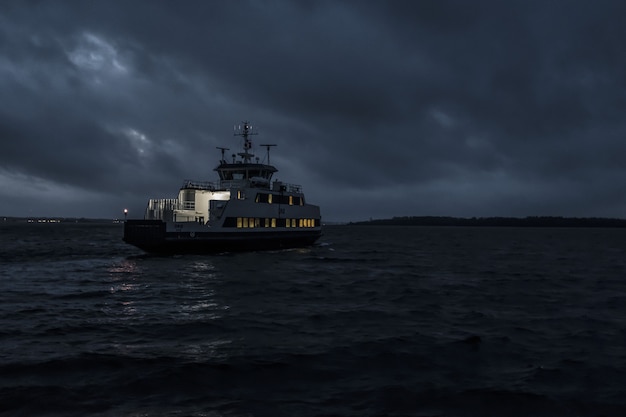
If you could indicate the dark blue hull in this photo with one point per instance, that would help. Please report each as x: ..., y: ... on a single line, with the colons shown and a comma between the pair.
x: 151, y: 236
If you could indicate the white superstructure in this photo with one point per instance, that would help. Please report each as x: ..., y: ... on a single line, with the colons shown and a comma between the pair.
x: 243, y: 202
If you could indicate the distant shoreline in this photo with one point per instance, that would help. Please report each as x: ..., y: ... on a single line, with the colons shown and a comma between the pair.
x: 531, y: 221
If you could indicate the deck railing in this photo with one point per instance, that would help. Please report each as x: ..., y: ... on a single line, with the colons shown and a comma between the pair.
x: 200, y: 185
x: 161, y: 208
x: 239, y: 183
x: 291, y: 188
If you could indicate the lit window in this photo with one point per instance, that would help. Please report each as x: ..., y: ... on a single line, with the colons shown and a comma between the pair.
x: 267, y: 222
x: 269, y: 199
x: 287, y: 223
x: 273, y: 222
x: 291, y: 200
x: 301, y: 223
x: 251, y: 222
x: 293, y: 222
x: 239, y: 222
x: 257, y: 222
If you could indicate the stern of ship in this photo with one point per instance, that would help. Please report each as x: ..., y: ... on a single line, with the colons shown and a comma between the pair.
x: 144, y: 234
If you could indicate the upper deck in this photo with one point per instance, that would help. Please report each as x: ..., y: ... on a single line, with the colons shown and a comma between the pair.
x: 224, y: 185
x: 244, y: 170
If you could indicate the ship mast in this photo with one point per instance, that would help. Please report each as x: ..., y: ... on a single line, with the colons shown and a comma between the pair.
x: 247, y: 144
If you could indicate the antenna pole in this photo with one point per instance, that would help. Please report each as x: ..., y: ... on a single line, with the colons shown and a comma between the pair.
x: 268, y: 150
x: 247, y: 144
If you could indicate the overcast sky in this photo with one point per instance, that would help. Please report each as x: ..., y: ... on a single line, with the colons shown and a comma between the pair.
x: 378, y: 108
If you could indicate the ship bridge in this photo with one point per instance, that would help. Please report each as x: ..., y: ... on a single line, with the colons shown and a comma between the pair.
x: 244, y: 170
x: 254, y: 174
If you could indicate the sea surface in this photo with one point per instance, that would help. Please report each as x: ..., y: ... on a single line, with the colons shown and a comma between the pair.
x: 372, y: 321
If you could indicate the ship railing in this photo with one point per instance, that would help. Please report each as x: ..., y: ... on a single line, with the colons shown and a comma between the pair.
x: 294, y: 188
x: 187, y: 205
x: 229, y: 184
x: 276, y: 185
x: 161, y: 208
x: 291, y: 188
x: 200, y: 185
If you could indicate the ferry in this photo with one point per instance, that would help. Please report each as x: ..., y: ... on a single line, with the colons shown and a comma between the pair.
x: 243, y: 211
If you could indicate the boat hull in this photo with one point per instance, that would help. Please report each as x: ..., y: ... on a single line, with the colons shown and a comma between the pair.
x: 152, y: 236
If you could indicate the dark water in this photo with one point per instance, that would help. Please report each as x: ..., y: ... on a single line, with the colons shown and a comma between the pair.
x: 374, y: 321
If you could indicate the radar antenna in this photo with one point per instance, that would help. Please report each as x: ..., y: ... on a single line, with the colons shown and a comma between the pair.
x: 268, y: 146
x: 223, y: 150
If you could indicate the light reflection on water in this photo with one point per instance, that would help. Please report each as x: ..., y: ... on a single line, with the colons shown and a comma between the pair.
x: 125, y: 286
x: 187, y: 296
x: 199, y: 352
x: 126, y: 266
x: 159, y: 310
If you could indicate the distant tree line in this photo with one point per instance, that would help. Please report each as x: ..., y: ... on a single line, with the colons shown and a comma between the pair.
x: 532, y: 221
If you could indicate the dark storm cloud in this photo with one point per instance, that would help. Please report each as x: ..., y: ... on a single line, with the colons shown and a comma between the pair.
x: 379, y: 108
